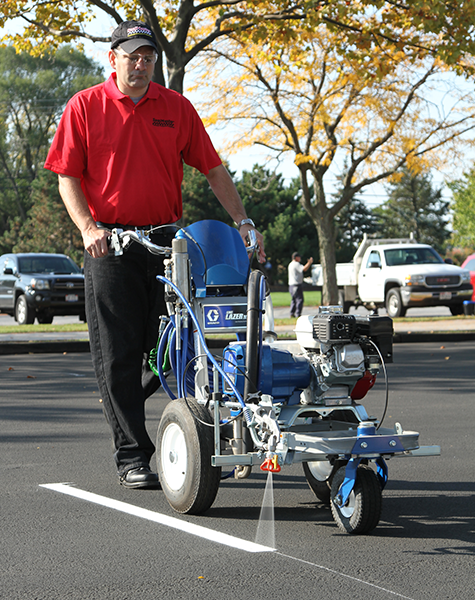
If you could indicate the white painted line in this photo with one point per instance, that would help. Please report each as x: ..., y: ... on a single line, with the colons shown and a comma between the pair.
x: 198, y: 530
x: 340, y: 574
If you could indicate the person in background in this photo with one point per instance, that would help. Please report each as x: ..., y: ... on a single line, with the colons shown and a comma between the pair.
x: 119, y: 152
x: 296, y: 271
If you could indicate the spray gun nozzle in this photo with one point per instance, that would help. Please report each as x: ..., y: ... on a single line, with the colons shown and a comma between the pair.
x: 271, y: 463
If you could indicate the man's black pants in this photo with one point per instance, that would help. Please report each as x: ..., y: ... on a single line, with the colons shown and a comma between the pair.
x: 124, y: 302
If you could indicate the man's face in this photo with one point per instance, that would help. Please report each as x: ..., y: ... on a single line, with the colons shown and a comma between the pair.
x: 133, y: 79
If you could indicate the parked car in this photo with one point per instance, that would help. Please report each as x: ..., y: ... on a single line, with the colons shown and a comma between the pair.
x: 469, y: 264
x: 41, y: 286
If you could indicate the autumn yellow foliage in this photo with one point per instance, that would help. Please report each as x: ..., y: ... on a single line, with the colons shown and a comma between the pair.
x: 363, y: 115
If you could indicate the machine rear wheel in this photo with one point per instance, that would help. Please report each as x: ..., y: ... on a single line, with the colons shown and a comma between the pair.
x: 184, y: 449
x: 362, y: 511
x: 318, y: 475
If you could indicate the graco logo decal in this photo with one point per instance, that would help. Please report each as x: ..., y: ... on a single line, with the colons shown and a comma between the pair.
x: 213, y: 316
x: 224, y: 317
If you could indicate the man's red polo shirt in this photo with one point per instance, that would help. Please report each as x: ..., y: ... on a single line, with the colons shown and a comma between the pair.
x: 130, y: 157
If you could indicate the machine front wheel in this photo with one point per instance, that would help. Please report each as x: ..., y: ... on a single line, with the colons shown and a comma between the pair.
x: 184, y: 449
x: 362, y: 511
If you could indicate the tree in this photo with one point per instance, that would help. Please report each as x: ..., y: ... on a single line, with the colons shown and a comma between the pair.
x: 33, y: 93
x: 199, y: 201
x: 368, y: 43
x: 414, y: 206
x: 351, y: 223
x: 301, y: 95
x: 275, y: 208
x: 184, y: 28
x: 463, y: 208
x: 48, y: 227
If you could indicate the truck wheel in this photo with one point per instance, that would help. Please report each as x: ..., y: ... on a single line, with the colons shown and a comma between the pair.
x: 394, y: 304
x: 362, y: 511
x: 184, y: 449
x: 456, y: 309
x: 24, y: 315
x: 346, y: 304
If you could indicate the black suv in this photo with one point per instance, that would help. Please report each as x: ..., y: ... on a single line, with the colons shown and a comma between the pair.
x: 40, y: 286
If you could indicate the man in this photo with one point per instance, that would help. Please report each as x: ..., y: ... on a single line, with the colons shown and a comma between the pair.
x: 296, y: 271
x: 119, y: 152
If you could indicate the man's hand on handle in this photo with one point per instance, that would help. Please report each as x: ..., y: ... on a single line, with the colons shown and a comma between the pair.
x: 96, y: 241
x: 244, y: 230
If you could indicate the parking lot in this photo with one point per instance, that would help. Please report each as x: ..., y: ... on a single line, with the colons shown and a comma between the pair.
x: 57, y: 546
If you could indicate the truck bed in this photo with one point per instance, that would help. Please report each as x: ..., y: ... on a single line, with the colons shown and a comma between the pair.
x: 345, y: 274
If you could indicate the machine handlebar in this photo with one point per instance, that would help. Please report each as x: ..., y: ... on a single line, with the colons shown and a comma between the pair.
x: 120, y: 239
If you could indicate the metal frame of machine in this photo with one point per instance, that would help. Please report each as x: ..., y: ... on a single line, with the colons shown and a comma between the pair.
x: 266, y: 402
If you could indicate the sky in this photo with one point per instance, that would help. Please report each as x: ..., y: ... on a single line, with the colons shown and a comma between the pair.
x: 245, y: 160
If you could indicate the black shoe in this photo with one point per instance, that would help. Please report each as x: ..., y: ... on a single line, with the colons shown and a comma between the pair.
x: 141, y: 477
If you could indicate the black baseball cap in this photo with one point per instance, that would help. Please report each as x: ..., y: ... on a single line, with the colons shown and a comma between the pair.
x: 131, y: 35
x: 294, y: 255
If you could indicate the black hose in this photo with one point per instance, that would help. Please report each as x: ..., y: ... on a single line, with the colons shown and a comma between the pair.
x: 252, y: 333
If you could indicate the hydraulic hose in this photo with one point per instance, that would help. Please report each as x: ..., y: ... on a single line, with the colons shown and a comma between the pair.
x: 161, y: 356
x: 246, y: 411
x: 253, y: 333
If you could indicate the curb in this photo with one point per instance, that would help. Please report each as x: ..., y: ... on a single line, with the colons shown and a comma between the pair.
x: 49, y: 347
x: 436, y: 336
x: 67, y: 346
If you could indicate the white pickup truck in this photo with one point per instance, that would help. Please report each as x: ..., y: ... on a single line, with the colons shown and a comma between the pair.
x: 398, y: 274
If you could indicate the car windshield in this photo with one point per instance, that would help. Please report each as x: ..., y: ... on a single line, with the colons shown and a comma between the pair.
x: 59, y: 265
x: 411, y: 256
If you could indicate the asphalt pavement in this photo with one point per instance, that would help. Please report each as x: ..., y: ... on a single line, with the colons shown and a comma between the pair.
x: 106, y: 542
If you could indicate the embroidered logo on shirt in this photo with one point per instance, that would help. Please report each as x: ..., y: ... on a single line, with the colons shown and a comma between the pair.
x: 163, y: 123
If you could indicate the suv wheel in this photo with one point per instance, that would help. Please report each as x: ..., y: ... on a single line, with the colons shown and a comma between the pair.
x: 24, y: 315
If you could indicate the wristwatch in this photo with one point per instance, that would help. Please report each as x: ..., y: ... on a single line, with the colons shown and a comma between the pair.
x: 245, y: 222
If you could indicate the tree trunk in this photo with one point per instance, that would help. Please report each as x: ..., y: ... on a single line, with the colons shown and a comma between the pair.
x: 326, y: 242
x: 176, y: 76
x: 322, y: 218
x: 158, y: 75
